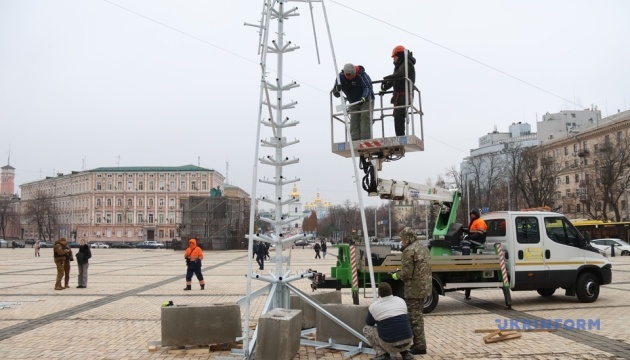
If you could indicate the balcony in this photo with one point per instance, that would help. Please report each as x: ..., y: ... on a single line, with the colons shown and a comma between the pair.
x: 583, y: 152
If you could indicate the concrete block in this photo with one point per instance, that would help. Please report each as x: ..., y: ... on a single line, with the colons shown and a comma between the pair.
x: 309, y: 314
x: 352, y: 315
x: 278, y: 335
x: 200, y: 324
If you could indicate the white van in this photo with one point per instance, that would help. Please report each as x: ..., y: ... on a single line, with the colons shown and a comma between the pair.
x: 544, y: 252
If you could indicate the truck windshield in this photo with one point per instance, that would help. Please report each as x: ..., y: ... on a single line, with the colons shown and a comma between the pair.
x: 560, y: 230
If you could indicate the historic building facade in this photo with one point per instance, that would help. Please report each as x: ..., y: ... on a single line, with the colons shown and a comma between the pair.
x: 120, y: 203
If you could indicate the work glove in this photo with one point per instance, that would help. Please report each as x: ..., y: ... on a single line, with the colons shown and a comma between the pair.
x: 395, y: 276
x: 381, y: 92
x: 362, y: 100
x: 336, y: 93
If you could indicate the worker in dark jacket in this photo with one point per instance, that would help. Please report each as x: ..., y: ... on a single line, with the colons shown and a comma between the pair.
x: 403, y: 79
x: 261, y: 253
x: 83, y: 256
x: 357, y: 86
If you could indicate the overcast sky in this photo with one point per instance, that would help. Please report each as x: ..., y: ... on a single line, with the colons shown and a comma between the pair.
x: 94, y: 83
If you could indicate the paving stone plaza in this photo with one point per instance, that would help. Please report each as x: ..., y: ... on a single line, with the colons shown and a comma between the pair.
x: 118, y: 314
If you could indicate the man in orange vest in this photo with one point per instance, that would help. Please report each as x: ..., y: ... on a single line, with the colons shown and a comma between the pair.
x: 476, y: 232
x: 193, y: 256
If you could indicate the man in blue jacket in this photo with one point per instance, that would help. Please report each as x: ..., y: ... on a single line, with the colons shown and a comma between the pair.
x: 357, y: 86
x: 387, y: 325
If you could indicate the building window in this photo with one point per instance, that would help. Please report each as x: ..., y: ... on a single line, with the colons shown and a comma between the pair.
x: 99, y: 185
x: 98, y: 218
x: 161, y: 202
x: 129, y: 185
x: 140, y: 186
x: 109, y: 185
x: 119, y: 186
x: 193, y: 185
x: 575, y: 148
x: 596, y: 147
x: 118, y: 218
x: 150, y: 185
x: 204, y: 185
x: 171, y: 185
x: 150, y: 218
x: 108, y: 218
x: 109, y: 202
x: 161, y: 185
x: 130, y: 218
x: 129, y: 202
x: 171, y: 202
x: 98, y: 202
x: 566, y: 179
x: 161, y: 233
x: 619, y: 136
x: 171, y: 233
x: 140, y: 218
x: 119, y: 202
x: 566, y: 151
x: 578, y: 208
x: 182, y: 185
x: 160, y: 218
x: 150, y: 202
x: 171, y: 217
x: 577, y: 178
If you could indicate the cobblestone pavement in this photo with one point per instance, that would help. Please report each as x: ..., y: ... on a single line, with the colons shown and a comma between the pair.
x: 119, y: 313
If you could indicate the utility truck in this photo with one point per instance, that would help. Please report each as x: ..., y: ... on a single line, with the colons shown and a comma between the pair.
x: 524, y: 250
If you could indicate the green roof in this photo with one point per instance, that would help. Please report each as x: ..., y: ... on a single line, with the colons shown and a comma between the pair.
x: 151, y: 169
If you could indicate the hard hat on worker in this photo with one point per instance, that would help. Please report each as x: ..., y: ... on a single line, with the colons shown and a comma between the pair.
x: 398, y: 49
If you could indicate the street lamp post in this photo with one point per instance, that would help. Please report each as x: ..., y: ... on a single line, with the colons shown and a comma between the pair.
x: 507, y: 170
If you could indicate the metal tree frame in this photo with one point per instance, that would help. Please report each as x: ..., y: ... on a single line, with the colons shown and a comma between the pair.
x: 279, y: 280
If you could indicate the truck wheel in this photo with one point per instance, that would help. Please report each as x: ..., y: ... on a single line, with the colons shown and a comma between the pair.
x: 546, y: 292
x: 431, y: 301
x: 587, y: 288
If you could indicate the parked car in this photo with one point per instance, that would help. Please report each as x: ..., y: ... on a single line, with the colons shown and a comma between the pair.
x: 30, y: 241
x: 621, y: 247
x: 99, y: 246
x: 17, y: 244
x: 150, y: 244
x: 3, y: 243
x: 120, y: 245
x: 301, y: 242
x: 74, y: 244
x: 46, y: 244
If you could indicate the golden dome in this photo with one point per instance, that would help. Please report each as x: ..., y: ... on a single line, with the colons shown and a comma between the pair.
x: 295, y: 193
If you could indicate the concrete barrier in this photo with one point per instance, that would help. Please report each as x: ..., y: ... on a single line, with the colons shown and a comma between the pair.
x: 200, y: 324
x: 352, y: 315
x: 278, y: 335
x: 309, y: 314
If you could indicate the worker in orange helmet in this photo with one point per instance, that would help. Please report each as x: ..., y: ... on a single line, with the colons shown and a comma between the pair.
x: 193, y: 256
x: 403, y: 79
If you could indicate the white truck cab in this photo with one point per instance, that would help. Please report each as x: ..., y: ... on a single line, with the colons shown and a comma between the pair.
x: 544, y: 252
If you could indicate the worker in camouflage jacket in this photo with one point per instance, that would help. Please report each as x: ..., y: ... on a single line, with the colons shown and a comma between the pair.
x: 416, y: 273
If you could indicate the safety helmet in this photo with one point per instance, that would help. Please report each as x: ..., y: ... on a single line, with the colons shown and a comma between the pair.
x: 397, y: 49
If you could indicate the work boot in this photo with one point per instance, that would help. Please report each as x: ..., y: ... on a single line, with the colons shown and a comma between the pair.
x: 187, y: 287
x: 58, y: 288
x: 382, y: 357
x: 418, y: 351
x: 203, y: 286
x: 406, y: 355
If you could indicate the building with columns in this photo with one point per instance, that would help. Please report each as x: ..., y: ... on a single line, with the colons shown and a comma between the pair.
x: 128, y: 204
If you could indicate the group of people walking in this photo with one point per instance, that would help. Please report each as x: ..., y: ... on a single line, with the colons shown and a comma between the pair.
x: 356, y: 85
x: 63, y: 255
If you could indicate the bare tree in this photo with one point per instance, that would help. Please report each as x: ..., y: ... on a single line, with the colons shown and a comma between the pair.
x: 41, y: 212
x: 612, y: 162
x: 536, y: 177
x: 8, y: 215
x: 484, y: 180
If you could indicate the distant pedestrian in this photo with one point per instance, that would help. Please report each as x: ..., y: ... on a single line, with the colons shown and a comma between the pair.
x: 83, y: 257
x: 193, y: 256
x: 36, y: 247
x: 324, y: 248
x: 267, y: 245
x: 317, y: 248
x: 60, y: 253
x: 255, y: 250
x: 261, y: 253
x: 66, y: 266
